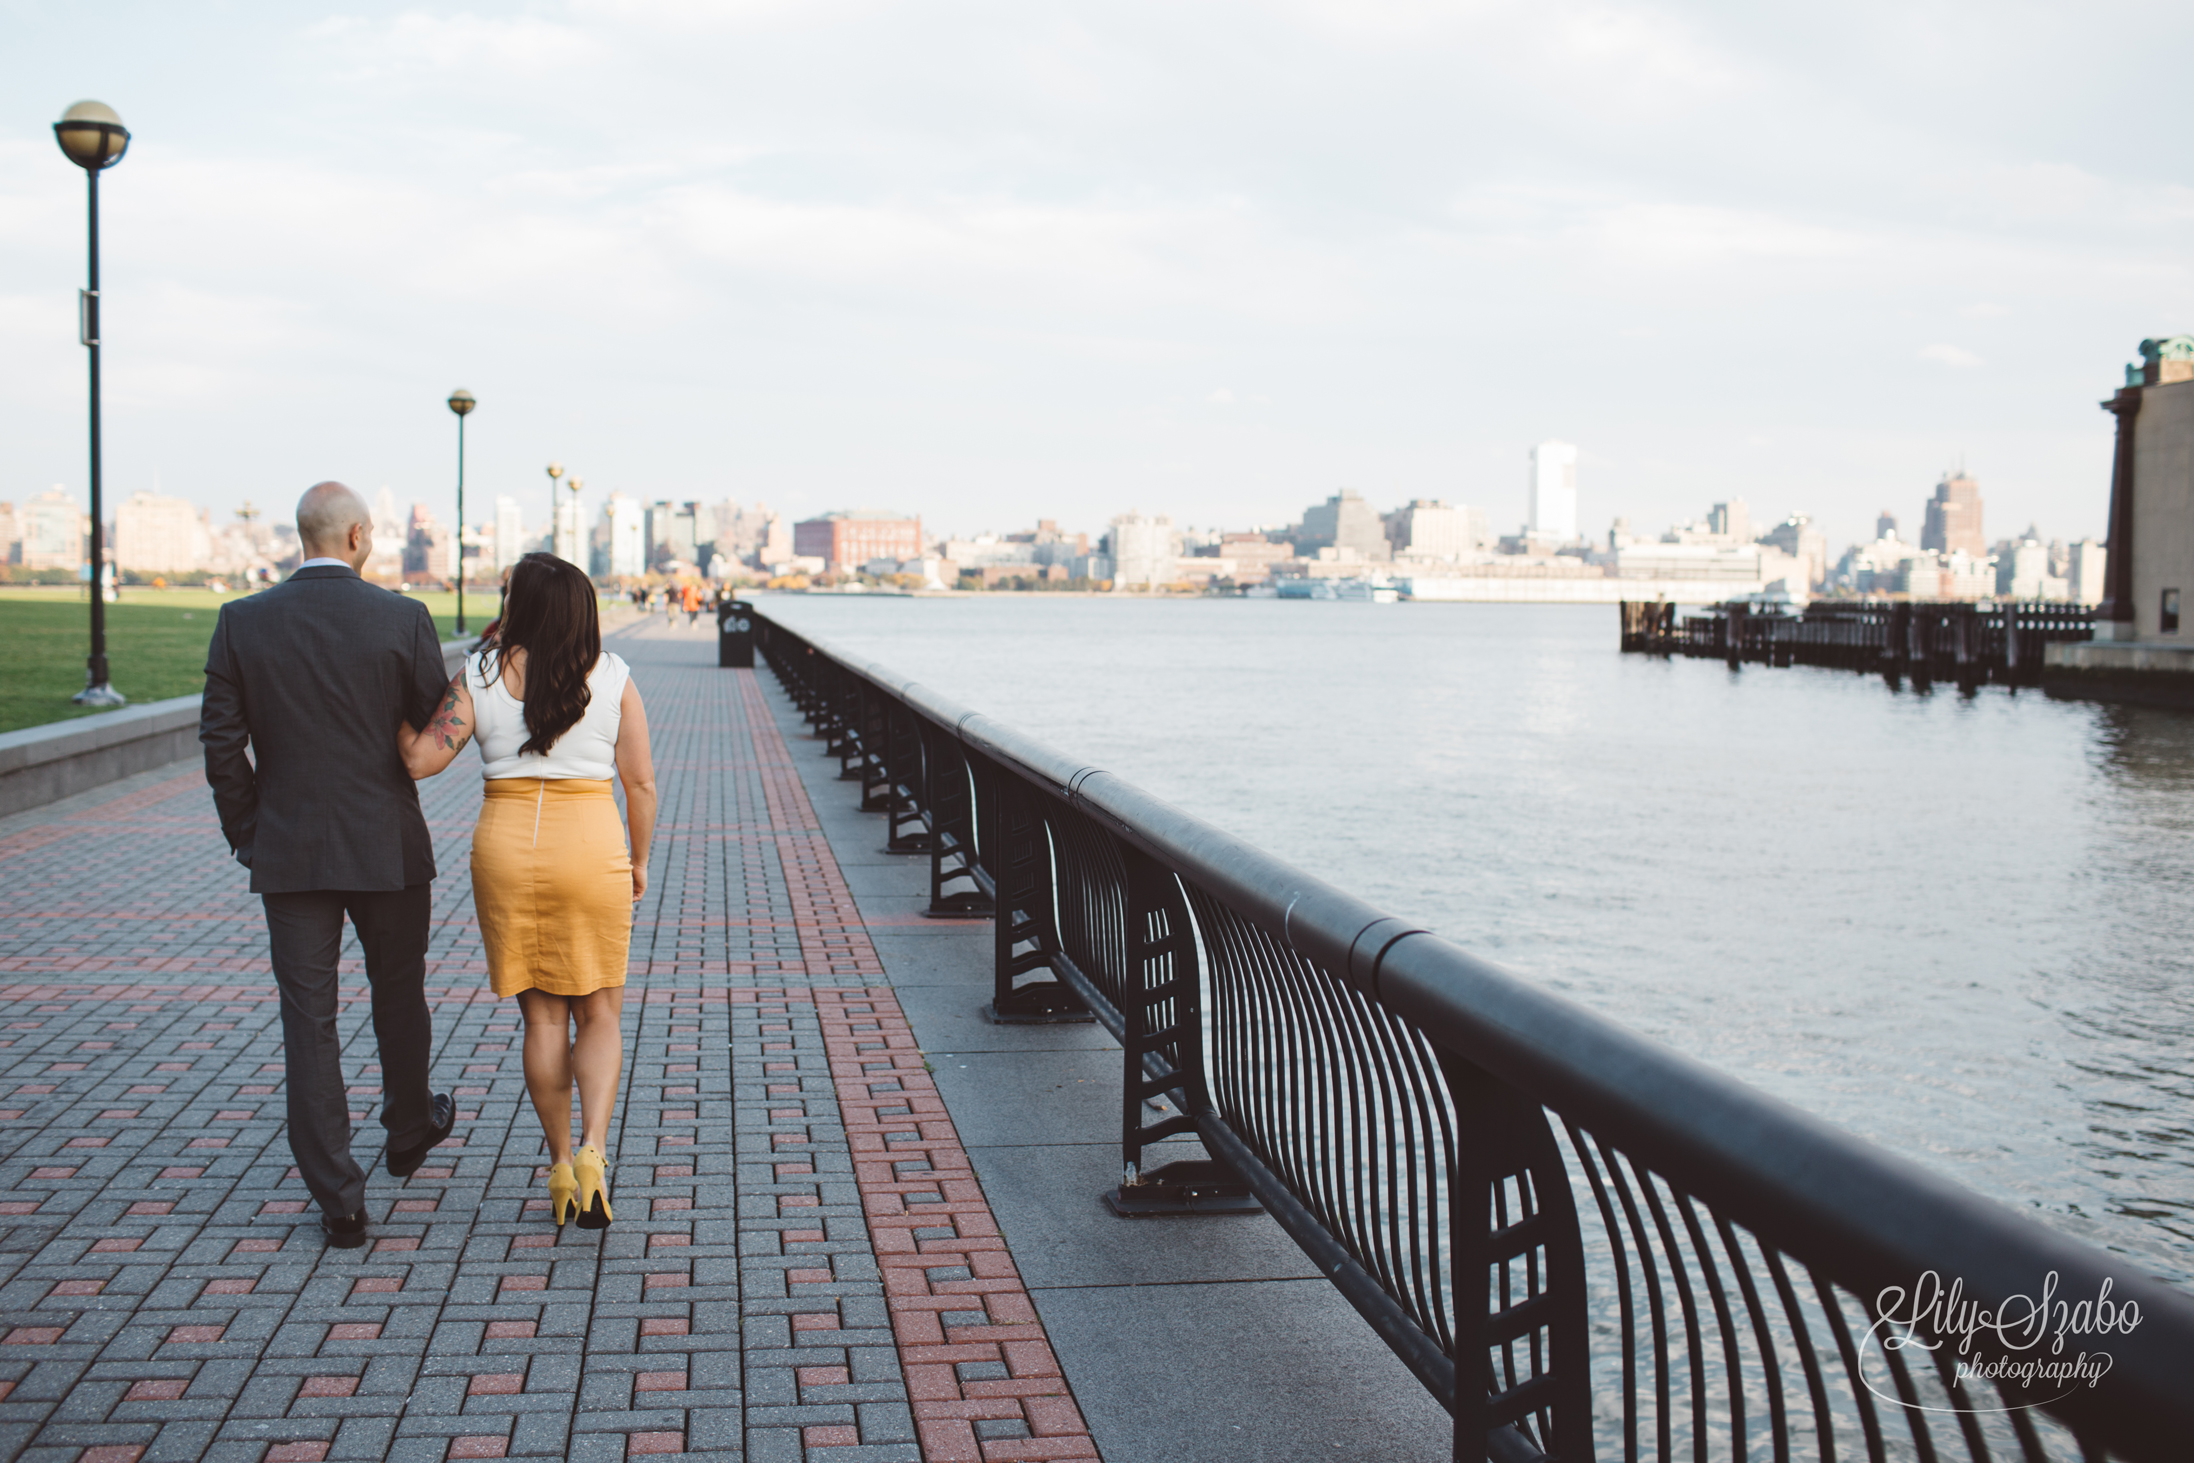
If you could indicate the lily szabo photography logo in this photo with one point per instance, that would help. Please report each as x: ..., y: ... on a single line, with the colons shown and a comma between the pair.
x: 2038, y: 1348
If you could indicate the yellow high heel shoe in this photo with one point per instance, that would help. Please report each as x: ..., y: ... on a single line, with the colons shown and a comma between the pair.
x: 588, y: 1168
x: 563, y: 1192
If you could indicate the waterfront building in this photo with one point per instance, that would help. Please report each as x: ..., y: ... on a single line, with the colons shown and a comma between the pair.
x: 509, y: 534
x: 1885, y: 525
x: 159, y: 535
x: 1344, y: 521
x: 56, y: 533
x: 1954, y: 517
x: 2151, y: 564
x: 1551, y: 502
x: 1431, y: 529
x: 1142, y: 550
x: 1762, y: 566
x: 850, y: 538
x: 1797, y: 537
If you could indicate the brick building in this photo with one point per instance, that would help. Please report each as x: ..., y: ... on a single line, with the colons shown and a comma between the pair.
x: 847, y: 540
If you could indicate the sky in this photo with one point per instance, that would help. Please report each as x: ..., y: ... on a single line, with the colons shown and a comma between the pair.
x: 990, y: 262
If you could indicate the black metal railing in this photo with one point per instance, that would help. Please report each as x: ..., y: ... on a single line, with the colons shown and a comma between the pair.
x: 1953, y: 641
x: 1581, y: 1242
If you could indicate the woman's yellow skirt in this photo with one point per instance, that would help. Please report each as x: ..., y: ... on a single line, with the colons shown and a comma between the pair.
x: 552, y: 884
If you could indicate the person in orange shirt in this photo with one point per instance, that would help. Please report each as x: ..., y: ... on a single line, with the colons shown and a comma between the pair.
x: 691, y: 602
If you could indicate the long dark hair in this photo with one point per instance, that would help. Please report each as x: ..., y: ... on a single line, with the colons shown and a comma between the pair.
x: 549, y: 612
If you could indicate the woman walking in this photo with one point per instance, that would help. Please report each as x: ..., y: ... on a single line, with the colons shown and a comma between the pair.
x: 552, y: 880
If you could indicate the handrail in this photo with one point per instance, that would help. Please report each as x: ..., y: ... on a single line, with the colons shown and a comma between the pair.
x: 1693, y: 1247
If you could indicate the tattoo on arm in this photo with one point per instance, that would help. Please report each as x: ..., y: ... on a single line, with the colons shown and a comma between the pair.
x: 448, y: 728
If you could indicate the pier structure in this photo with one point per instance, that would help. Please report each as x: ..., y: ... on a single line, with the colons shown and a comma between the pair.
x: 1918, y: 640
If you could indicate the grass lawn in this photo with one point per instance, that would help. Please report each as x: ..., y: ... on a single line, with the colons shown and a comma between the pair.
x: 156, y: 645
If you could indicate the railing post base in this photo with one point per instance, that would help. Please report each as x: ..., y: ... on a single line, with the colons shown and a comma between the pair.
x: 961, y: 906
x: 1185, y: 1186
x: 1039, y: 1003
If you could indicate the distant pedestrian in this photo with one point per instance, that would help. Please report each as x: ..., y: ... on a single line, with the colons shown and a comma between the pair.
x: 306, y: 684
x: 692, y: 600
x: 554, y: 884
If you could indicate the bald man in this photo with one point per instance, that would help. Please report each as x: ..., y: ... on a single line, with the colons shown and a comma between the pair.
x: 313, y: 676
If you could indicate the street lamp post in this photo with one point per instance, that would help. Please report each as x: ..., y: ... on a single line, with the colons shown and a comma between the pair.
x: 461, y: 402
x: 556, y: 473
x: 93, y: 138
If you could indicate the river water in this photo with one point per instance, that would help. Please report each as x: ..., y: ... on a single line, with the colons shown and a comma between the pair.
x: 1960, y: 926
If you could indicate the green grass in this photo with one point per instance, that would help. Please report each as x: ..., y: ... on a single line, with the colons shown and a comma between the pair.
x: 156, y: 645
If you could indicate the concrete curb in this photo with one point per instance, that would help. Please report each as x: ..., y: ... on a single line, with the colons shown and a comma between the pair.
x: 43, y: 764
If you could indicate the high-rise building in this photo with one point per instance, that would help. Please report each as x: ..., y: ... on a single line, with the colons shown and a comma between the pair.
x: 625, y: 535
x: 509, y: 535
x: 2084, y: 574
x: 1731, y: 520
x: 1343, y: 521
x: 385, y: 565
x: 1885, y: 525
x: 1954, y: 517
x: 1142, y: 550
x: 1797, y: 537
x: 847, y: 540
x: 429, y: 548
x: 567, y: 534
x: 1551, y: 506
x: 156, y: 535
x: 56, y: 534
x: 677, y: 531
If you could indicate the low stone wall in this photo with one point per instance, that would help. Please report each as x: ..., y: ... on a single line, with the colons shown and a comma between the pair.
x: 43, y: 764
x: 2140, y: 672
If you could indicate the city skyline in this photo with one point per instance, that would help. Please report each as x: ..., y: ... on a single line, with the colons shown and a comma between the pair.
x: 1728, y: 254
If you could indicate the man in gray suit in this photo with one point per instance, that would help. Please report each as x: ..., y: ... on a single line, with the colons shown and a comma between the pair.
x: 314, y: 674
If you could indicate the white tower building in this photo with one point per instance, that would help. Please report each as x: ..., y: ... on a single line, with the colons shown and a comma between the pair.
x: 1143, y: 550
x: 1551, y: 508
x: 510, y: 533
x: 626, y: 522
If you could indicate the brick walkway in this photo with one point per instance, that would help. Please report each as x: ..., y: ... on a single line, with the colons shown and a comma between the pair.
x: 803, y: 1264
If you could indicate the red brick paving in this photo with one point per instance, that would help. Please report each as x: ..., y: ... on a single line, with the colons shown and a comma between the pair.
x: 135, y: 957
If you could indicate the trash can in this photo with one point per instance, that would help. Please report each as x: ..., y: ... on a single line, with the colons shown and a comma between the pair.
x: 735, y: 635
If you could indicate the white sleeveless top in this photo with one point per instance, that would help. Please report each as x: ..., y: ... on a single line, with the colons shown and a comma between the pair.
x: 588, y: 750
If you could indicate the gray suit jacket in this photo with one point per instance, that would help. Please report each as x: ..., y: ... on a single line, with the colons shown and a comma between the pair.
x: 315, y: 674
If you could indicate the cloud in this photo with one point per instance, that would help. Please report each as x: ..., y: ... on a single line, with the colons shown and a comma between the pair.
x: 1949, y: 355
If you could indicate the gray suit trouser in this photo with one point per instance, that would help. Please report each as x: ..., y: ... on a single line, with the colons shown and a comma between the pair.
x: 305, y: 936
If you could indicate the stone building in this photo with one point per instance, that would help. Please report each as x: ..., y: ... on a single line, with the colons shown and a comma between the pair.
x: 2151, y: 545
